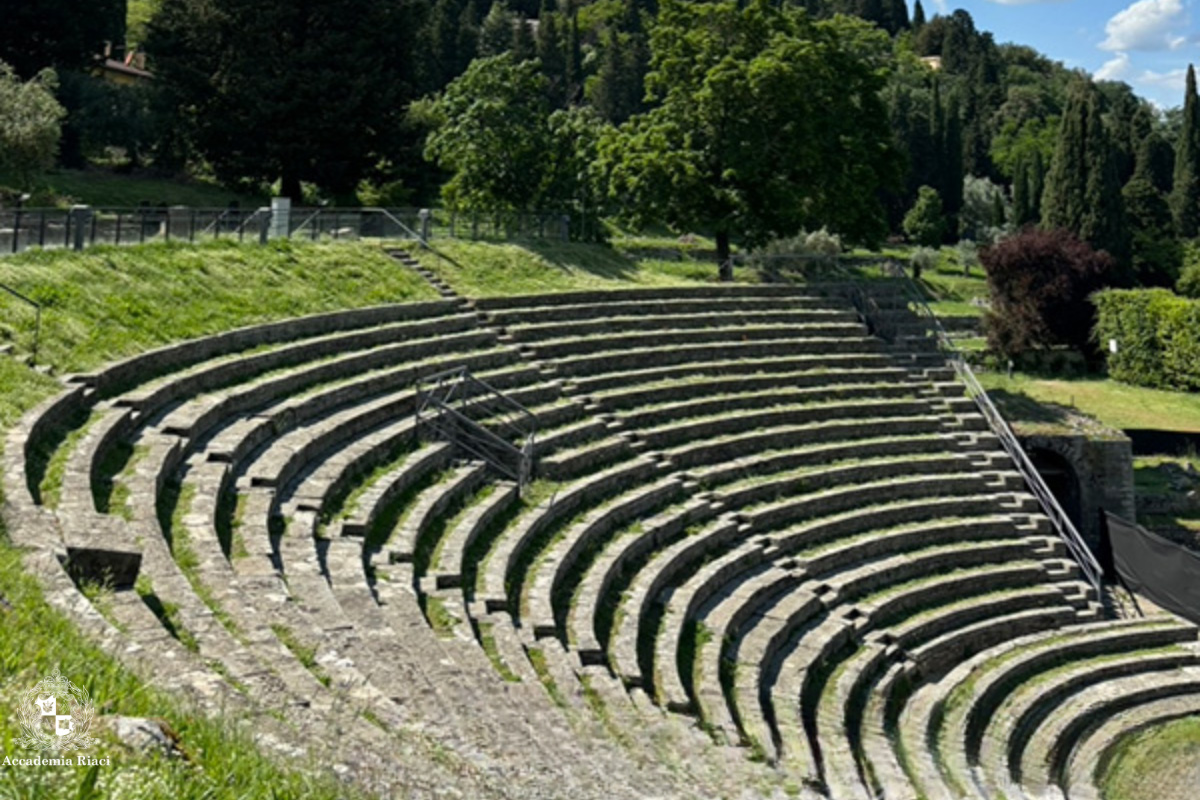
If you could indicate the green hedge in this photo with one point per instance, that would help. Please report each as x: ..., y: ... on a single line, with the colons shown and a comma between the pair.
x: 1158, y: 337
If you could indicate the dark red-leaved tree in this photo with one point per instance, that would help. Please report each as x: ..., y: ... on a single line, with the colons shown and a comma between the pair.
x: 1039, y: 282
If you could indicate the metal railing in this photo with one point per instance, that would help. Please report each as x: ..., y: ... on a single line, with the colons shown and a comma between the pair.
x: 1076, y: 546
x: 480, y: 420
x: 83, y: 226
x: 37, y: 319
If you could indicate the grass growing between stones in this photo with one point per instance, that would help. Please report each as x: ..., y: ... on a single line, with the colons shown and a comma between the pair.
x: 307, y: 656
x: 538, y: 660
x: 1159, y: 763
x: 167, y: 613
x: 487, y: 641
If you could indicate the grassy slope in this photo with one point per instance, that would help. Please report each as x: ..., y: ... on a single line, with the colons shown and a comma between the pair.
x: 488, y: 270
x: 1117, y: 405
x: 98, y: 187
x: 104, y: 304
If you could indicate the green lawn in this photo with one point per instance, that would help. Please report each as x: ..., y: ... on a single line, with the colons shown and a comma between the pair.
x: 108, y: 302
x: 491, y: 270
x: 99, y: 187
x: 1117, y: 405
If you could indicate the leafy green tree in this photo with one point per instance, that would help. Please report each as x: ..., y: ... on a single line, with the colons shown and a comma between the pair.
x: 766, y: 122
x: 1083, y: 194
x: 918, y: 16
x: 1185, y: 196
x: 30, y: 124
x: 60, y: 34
x: 492, y: 134
x: 287, y: 90
x: 925, y: 223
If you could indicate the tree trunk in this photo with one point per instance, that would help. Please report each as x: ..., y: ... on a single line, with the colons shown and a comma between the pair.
x: 289, y: 186
x: 726, y: 264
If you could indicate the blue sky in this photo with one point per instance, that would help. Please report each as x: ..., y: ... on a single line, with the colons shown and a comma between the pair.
x: 1145, y: 43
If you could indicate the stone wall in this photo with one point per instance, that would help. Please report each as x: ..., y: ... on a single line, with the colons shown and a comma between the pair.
x: 1103, y: 468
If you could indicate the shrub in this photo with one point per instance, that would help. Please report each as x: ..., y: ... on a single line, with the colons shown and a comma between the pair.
x: 1156, y: 335
x: 1039, y: 283
x: 925, y: 223
x: 923, y: 259
x: 1189, y: 278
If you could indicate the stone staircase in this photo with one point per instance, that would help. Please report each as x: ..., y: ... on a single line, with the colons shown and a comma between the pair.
x: 765, y: 554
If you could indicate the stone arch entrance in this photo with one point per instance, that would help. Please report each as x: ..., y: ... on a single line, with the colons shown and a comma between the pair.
x: 1063, y: 481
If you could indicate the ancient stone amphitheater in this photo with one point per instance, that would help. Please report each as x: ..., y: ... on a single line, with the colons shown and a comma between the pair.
x: 764, y: 554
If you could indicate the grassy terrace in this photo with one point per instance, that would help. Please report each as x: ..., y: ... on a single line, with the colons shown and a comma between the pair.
x: 496, y: 270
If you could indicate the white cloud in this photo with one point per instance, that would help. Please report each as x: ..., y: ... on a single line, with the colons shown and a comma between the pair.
x: 1115, y: 69
x: 1147, y: 25
x: 1147, y: 82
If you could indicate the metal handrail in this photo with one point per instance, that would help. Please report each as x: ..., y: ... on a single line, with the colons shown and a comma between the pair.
x: 1088, y: 564
x: 37, y: 321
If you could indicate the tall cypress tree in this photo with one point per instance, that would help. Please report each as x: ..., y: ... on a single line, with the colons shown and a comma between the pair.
x: 524, y: 47
x: 550, y: 52
x: 1185, y: 196
x: 952, y: 166
x: 1157, y: 252
x: 918, y: 16
x: 1083, y: 191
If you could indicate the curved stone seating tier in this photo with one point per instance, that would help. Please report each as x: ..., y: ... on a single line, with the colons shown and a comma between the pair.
x: 814, y: 320
x: 951, y: 720
x: 1091, y: 755
x: 747, y: 509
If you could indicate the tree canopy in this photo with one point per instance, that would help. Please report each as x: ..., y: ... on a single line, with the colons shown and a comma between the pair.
x: 295, y: 90
x: 764, y: 122
x: 30, y: 123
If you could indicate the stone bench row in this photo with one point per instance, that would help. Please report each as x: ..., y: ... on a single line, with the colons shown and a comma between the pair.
x: 612, y: 324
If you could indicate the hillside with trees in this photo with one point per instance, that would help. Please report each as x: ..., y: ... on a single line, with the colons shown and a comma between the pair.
x: 744, y: 122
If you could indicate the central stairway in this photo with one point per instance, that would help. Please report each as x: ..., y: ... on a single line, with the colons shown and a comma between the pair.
x: 763, y: 554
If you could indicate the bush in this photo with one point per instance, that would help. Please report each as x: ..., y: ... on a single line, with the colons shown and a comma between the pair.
x: 923, y: 259
x: 925, y: 223
x: 1039, y: 283
x: 801, y: 252
x: 1156, y: 335
x: 1189, y: 278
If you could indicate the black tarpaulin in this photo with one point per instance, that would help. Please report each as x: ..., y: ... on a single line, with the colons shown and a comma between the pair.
x: 1165, y: 572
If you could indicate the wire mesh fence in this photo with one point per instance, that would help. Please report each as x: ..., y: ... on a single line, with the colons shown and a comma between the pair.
x: 82, y: 226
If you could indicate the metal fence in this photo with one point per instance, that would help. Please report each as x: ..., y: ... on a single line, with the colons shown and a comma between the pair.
x: 82, y: 226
